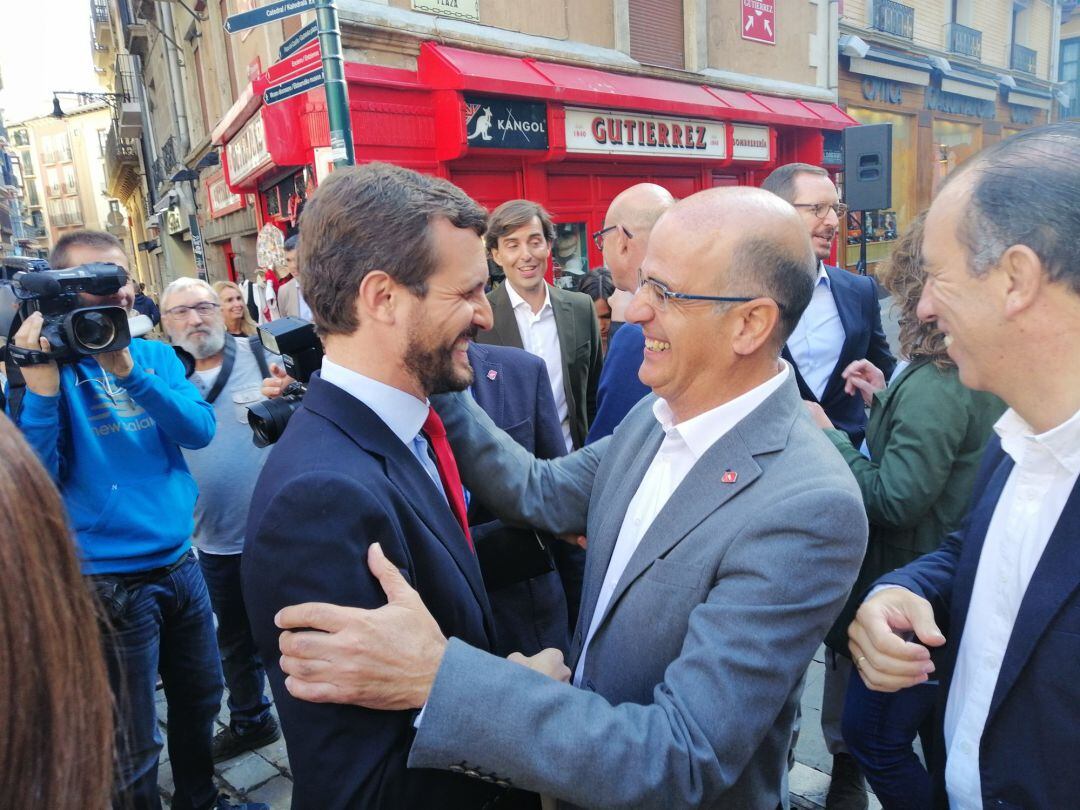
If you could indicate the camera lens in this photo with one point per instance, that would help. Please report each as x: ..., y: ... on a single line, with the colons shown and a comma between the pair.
x: 94, y: 331
x: 269, y: 418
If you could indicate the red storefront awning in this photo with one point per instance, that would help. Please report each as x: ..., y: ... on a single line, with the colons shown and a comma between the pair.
x: 445, y: 68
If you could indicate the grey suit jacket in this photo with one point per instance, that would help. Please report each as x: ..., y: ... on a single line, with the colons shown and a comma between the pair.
x: 692, y: 679
x: 288, y: 303
x: 579, y: 345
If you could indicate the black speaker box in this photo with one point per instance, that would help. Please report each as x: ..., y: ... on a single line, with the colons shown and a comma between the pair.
x: 868, y: 167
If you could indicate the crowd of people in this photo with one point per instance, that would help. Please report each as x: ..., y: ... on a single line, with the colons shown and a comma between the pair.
x: 522, y: 545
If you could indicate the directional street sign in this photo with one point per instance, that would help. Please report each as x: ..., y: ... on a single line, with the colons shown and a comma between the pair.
x: 294, y: 86
x: 265, y: 14
x: 303, y: 61
x: 298, y: 40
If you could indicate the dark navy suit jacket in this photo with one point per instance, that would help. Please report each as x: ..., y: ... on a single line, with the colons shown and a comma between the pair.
x: 619, y: 389
x: 512, y: 387
x: 860, y: 315
x: 1028, y: 753
x: 337, y: 481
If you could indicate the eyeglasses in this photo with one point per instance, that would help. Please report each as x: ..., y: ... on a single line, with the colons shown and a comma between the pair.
x: 658, y: 295
x: 821, y: 210
x: 598, y: 236
x: 205, y: 308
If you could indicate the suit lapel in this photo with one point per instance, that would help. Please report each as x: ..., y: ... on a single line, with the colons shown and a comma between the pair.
x: 1056, y: 578
x: 504, y: 323
x: 371, y: 434
x: 487, y: 387
x: 846, y: 308
x: 804, y: 389
x: 567, y: 330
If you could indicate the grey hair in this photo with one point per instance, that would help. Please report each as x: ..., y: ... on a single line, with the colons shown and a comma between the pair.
x: 777, y: 272
x: 186, y: 283
x: 1025, y: 190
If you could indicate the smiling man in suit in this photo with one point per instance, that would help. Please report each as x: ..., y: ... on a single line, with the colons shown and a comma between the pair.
x: 394, y: 272
x: 1003, y: 283
x: 724, y: 536
x: 559, y: 326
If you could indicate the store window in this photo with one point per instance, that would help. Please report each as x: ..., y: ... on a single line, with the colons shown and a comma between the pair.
x: 884, y: 226
x: 954, y: 143
x: 569, y: 254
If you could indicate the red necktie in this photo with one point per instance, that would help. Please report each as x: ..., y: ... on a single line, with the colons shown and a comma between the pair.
x: 448, y: 471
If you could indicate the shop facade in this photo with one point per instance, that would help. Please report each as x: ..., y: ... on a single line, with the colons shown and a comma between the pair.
x: 503, y: 127
x: 941, y: 115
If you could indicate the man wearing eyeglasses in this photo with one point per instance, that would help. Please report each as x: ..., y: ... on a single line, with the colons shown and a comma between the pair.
x: 110, y: 429
x: 841, y: 325
x: 724, y: 536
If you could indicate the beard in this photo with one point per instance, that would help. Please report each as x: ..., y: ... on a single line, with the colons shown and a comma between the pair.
x: 433, y: 364
x: 212, y: 342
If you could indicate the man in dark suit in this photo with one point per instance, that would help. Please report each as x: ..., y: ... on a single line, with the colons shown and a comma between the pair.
x: 559, y: 326
x: 512, y: 387
x: 366, y: 460
x: 842, y: 324
x: 1003, y: 267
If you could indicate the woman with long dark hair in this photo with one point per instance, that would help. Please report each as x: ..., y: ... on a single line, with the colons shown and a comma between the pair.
x: 56, y: 743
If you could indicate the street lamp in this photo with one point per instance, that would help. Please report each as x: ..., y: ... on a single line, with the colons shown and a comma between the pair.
x: 112, y: 99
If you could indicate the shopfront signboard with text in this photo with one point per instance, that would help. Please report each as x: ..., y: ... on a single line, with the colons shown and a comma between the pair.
x: 609, y: 132
x: 499, y: 123
x: 751, y: 142
x: 759, y: 21
x: 247, y: 152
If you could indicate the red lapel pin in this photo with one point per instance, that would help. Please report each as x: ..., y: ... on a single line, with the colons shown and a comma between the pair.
x: 729, y: 477
x: 491, y: 375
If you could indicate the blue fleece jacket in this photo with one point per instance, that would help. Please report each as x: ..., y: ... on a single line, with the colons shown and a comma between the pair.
x: 114, y: 452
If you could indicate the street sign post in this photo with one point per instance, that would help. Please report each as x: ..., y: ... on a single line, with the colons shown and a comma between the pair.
x: 265, y: 14
x: 298, y: 40
x: 294, y: 86
x: 303, y: 61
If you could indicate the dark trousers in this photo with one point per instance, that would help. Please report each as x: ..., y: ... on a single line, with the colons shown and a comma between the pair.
x: 879, y: 729
x: 249, y: 708
x: 167, y: 628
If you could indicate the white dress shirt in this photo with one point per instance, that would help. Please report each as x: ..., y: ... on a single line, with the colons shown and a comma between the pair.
x: 683, y: 445
x: 403, y: 413
x: 1030, y: 505
x: 816, y: 341
x: 540, y: 336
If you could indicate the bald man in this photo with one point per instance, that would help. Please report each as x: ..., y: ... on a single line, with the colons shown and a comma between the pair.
x: 724, y: 536
x: 623, y: 240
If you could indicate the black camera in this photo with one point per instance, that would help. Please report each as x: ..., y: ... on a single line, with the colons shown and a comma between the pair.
x: 73, y: 331
x: 295, y: 340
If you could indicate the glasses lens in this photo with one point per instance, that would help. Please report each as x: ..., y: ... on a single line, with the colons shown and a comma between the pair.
x: 94, y: 331
x: 205, y: 308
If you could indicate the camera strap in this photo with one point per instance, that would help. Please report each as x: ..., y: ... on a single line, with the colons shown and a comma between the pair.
x: 28, y: 357
x: 227, y: 363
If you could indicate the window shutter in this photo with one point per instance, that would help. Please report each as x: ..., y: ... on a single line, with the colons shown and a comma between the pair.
x: 657, y: 33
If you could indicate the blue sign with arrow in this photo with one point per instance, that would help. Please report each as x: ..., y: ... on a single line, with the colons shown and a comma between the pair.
x: 294, y: 86
x: 298, y: 40
x: 265, y: 14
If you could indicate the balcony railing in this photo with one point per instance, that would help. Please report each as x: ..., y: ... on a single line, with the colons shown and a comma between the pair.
x: 35, y: 232
x: 1023, y: 59
x: 894, y: 18
x: 99, y: 11
x: 963, y: 40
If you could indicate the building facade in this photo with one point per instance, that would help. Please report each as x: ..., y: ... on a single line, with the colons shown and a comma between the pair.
x: 950, y: 78
x: 1069, y: 61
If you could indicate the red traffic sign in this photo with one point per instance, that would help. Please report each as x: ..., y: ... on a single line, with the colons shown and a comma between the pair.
x: 759, y: 21
x: 307, y: 58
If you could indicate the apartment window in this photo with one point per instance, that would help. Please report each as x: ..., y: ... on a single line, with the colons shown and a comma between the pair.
x: 73, y: 211
x: 27, y: 162
x: 31, y: 193
x: 52, y: 181
x: 71, y: 185
x: 102, y: 139
x: 657, y: 35
x: 1070, y: 74
x: 63, y: 146
x: 22, y: 138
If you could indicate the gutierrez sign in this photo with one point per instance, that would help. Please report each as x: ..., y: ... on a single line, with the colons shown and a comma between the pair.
x: 606, y: 132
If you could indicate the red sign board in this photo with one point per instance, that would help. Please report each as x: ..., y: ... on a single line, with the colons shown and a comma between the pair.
x: 759, y: 21
x: 307, y: 58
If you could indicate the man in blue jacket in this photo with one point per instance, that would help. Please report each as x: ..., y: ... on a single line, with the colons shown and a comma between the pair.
x: 110, y: 429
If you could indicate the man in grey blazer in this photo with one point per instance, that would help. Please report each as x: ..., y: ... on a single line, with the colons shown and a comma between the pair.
x: 724, y: 535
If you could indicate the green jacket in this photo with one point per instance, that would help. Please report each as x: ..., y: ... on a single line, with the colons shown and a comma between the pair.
x: 926, y: 436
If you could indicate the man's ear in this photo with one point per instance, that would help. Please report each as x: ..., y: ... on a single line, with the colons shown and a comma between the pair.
x: 756, y: 326
x: 378, y: 298
x: 1024, y: 277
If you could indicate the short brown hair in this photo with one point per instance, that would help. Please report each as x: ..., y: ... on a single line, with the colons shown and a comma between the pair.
x: 781, y: 181
x: 374, y: 217
x: 511, y: 215
x: 58, y: 259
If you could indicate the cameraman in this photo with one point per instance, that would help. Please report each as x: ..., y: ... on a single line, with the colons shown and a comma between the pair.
x: 227, y: 372
x: 109, y: 429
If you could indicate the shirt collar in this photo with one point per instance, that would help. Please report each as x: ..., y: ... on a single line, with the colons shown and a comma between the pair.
x: 822, y: 275
x: 706, y: 429
x: 517, y: 301
x: 403, y: 413
x: 1062, y: 443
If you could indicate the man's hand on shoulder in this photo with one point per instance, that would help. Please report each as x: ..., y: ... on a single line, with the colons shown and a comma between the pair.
x: 385, y: 658
x: 886, y: 662
x: 43, y: 380
x: 547, y: 662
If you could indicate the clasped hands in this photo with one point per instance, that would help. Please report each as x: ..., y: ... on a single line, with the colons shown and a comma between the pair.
x: 385, y: 658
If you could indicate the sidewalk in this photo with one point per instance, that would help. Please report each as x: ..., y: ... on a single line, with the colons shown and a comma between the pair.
x: 264, y: 775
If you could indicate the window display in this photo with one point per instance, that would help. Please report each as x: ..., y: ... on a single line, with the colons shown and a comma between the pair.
x: 569, y: 254
x: 954, y: 143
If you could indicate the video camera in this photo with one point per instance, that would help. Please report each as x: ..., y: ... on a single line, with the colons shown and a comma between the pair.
x: 295, y: 340
x: 73, y: 331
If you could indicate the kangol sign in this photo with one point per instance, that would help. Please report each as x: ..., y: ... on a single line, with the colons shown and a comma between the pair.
x: 247, y: 152
x: 619, y: 133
